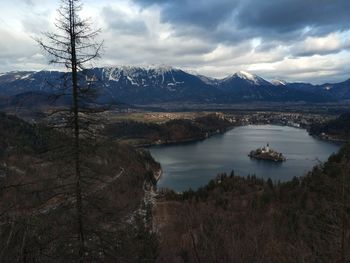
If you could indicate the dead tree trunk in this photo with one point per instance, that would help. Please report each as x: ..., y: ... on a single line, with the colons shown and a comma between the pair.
x: 74, y: 47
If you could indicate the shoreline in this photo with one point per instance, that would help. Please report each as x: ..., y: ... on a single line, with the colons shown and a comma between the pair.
x: 191, y: 140
x: 328, y: 139
x: 158, y: 175
x: 184, y: 141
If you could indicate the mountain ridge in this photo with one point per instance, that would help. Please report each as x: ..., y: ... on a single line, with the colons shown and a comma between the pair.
x: 145, y: 85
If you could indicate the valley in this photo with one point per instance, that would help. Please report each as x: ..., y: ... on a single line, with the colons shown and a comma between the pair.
x: 149, y: 131
x: 123, y: 176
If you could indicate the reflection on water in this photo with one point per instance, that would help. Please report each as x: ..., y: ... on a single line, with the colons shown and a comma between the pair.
x: 194, y: 164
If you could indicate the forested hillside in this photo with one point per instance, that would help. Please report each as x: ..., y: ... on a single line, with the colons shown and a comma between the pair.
x: 172, y: 131
x: 37, y: 197
x: 336, y: 129
x: 235, y: 219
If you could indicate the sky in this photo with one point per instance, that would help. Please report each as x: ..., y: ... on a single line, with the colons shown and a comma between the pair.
x: 292, y: 40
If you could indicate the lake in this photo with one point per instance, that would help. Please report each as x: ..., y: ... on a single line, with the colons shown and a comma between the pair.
x: 195, y: 164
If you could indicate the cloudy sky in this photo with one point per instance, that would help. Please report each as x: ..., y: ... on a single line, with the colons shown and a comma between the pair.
x: 294, y: 40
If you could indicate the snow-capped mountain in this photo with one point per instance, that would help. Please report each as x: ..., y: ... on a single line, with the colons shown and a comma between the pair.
x: 246, y: 78
x: 149, y: 85
x: 13, y: 83
x: 244, y: 86
x: 241, y: 81
x: 142, y: 77
x: 145, y: 85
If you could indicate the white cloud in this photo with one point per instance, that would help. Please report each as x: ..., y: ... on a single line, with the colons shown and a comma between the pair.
x: 332, y: 43
x: 315, y: 69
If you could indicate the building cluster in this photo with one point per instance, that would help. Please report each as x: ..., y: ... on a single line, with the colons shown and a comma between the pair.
x: 265, y: 153
x: 299, y: 120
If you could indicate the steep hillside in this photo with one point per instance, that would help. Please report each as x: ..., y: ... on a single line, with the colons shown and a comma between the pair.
x: 334, y: 129
x: 37, y: 204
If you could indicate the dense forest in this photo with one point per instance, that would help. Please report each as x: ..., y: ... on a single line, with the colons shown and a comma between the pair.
x: 173, y: 131
x: 337, y: 129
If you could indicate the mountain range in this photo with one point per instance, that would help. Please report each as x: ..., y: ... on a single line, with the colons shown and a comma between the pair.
x: 138, y: 85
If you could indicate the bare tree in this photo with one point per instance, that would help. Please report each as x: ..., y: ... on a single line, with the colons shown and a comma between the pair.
x: 73, y: 45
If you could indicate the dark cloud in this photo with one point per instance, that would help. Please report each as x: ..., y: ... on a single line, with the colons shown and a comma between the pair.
x: 240, y: 19
x: 116, y: 20
x: 201, y: 13
x: 321, y: 52
x: 266, y: 46
x: 288, y: 16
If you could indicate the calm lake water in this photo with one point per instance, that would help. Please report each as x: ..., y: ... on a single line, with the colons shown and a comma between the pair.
x: 194, y: 164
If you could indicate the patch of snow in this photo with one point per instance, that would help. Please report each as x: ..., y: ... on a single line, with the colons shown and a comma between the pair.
x: 134, y: 74
x: 132, y: 81
x: 277, y: 82
x: 112, y: 78
x: 247, y: 76
x: 163, y: 69
x: 26, y: 76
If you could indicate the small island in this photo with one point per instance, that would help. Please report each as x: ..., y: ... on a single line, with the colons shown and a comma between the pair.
x: 265, y: 153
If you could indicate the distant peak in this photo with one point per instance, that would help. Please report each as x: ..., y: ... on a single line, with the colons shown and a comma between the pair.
x: 245, y: 75
x: 252, y: 78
